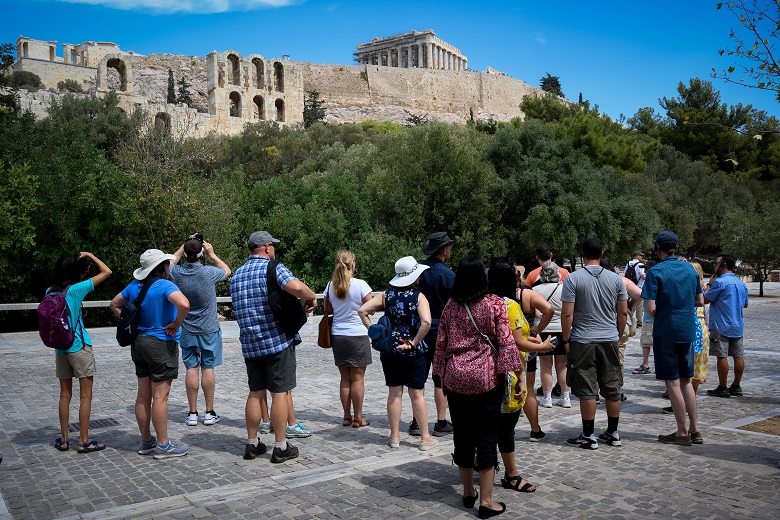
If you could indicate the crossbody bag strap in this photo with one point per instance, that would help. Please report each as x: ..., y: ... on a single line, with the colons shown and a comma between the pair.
x: 484, y: 336
x: 553, y: 291
x: 144, y: 289
x: 327, y: 306
x: 80, y: 317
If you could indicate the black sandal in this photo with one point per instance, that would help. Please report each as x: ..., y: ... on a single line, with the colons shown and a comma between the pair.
x: 506, y: 483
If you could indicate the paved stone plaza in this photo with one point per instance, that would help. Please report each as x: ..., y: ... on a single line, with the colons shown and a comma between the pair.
x: 352, y: 473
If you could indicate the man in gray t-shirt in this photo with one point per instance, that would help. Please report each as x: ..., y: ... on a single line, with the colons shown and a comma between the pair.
x: 201, y: 337
x: 593, y: 314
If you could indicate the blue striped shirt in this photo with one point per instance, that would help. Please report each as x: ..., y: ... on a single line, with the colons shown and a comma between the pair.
x: 260, y: 333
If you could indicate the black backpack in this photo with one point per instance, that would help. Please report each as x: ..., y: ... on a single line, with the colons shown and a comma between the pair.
x: 285, y: 307
x: 631, y: 272
x: 127, y: 326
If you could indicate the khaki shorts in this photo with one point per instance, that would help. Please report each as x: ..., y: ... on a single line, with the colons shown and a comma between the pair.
x: 722, y: 346
x: 594, y: 367
x: 75, y: 364
x: 646, y: 340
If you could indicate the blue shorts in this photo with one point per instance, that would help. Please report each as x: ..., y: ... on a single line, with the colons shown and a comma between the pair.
x: 201, y: 349
x: 403, y: 370
x: 672, y: 360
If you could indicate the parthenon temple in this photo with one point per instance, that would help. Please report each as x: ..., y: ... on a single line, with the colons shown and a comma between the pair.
x: 414, y: 50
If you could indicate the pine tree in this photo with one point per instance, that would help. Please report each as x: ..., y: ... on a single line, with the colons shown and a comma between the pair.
x: 184, y: 92
x: 313, y: 109
x: 171, y: 91
x: 551, y: 84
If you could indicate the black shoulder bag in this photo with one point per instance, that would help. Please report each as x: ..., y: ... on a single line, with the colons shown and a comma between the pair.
x: 286, y: 308
x: 127, y: 326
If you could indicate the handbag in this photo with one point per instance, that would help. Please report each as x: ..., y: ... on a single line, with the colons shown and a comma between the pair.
x: 286, y: 308
x: 323, y: 334
x: 127, y: 326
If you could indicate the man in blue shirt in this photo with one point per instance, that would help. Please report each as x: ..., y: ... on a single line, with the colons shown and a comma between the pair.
x: 672, y: 291
x: 727, y: 296
x: 269, y: 352
x: 435, y: 284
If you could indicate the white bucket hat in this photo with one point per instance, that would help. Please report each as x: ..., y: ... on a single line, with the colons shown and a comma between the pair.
x: 150, y: 259
x: 407, y: 270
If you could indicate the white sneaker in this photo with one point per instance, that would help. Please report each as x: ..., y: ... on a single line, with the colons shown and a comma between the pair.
x: 191, y: 419
x: 211, y: 418
x: 545, y: 402
x: 565, y: 402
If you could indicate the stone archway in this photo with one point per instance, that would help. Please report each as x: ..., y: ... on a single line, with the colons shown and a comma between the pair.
x: 278, y: 77
x: 234, y: 69
x: 259, y: 72
x: 259, y: 111
x: 119, y: 66
x: 279, y: 105
x: 235, y: 104
x: 162, y: 123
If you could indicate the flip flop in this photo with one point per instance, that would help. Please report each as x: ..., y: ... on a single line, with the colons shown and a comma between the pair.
x: 347, y: 421
x: 90, y: 446
x: 360, y: 423
x: 62, y: 445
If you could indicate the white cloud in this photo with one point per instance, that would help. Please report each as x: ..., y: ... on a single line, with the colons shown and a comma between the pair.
x: 540, y: 38
x: 185, y: 6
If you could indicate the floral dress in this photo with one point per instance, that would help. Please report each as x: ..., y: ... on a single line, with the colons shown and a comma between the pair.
x: 401, y: 308
x: 701, y: 347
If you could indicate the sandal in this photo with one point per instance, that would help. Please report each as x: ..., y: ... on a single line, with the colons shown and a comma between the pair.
x: 347, y: 421
x: 359, y: 423
x: 506, y: 483
x: 641, y: 370
x: 90, y: 446
x: 62, y: 445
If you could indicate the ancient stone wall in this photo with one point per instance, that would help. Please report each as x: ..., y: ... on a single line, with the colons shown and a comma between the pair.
x: 52, y: 73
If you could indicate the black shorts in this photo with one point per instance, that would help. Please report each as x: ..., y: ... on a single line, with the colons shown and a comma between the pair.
x: 560, y: 350
x: 530, y: 363
x: 155, y: 358
x: 403, y: 370
x: 430, y: 340
x: 275, y: 372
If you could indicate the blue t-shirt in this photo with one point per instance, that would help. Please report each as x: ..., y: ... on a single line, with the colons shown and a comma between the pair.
x: 673, y: 284
x: 728, y: 295
x: 156, y: 311
x: 75, y: 295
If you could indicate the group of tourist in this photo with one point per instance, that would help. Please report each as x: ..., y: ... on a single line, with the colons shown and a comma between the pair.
x: 479, y: 331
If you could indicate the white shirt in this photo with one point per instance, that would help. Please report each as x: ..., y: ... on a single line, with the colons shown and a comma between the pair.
x: 346, y: 321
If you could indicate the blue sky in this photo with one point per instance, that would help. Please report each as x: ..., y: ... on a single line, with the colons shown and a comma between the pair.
x: 621, y: 55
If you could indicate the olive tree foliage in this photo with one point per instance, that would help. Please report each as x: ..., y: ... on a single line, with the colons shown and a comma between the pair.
x: 754, y: 237
x: 8, y: 93
x: 754, y: 45
x: 18, y: 208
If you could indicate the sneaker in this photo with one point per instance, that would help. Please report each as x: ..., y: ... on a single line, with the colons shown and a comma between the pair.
x: 545, y: 402
x: 414, y: 430
x: 719, y: 391
x: 564, y: 402
x: 735, y: 391
x: 613, y: 439
x: 428, y: 445
x: 556, y: 391
x: 598, y: 399
x: 441, y: 431
x: 172, y: 450
x: 540, y: 391
x: 394, y: 443
x: 147, y: 447
x: 191, y: 419
x: 537, y: 436
x: 696, y: 438
x: 211, y: 418
x: 251, y: 451
x: 675, y: 439
x: 265, y: 428
x: 623, y: 397
x: 668, y: 409
x: 298, y: 431
x: 588, y: 443
x: 283, y: 455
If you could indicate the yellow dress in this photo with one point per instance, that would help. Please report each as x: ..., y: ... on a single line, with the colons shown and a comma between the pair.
x: 701, y: 359
x: 513, y: 379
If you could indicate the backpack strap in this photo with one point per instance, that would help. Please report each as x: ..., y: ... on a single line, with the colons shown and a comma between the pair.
x: 271, y: 281
x: 144, y: 289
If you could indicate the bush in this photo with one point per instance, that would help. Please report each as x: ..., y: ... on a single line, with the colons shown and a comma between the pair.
x: 70, y: 85
x: 25, y: 79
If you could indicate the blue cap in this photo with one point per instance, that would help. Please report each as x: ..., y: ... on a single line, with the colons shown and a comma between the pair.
x: 666, y: 237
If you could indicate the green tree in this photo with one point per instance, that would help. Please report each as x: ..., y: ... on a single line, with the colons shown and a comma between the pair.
x: 171, y: 98
x: 183, y: 92
x: 9, y: 99
x: 69, y: 85
x: 551, y: 84
x: 25, y: 79
x: 754, y: 237
x: 313, y: 109
x: 755, y: 45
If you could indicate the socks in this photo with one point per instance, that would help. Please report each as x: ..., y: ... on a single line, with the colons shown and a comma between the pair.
x: 566, y: 395
x: 587, y: 427
x: 548, y: 395
x: 164, y: 446
x: 281, y: 445
x: 254, y: 442
x: 612, y: 424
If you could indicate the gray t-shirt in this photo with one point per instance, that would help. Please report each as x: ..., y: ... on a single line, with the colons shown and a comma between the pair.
x: 595, y: 292
x: 196, y: 281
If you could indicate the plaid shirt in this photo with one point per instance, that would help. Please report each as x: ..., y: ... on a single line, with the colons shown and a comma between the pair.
x: 261, y: 335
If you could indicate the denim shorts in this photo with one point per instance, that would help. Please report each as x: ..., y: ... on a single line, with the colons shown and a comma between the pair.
x: 672, y: 360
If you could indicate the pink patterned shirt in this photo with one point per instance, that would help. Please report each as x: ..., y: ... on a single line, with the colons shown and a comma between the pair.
x: 463, y: 359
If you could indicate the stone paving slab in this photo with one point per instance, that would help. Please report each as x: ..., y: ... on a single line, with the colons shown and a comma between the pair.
x: 352, y: 473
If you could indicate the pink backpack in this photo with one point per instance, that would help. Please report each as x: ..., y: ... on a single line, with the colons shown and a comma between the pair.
x: 53, y: 322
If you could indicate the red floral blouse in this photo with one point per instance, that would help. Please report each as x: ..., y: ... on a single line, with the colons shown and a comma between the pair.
x: 463, y: 359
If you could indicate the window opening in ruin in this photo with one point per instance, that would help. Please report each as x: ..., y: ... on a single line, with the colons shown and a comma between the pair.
x: 415, y: 56
x: 259, y: 72
x: 52, y: 53
x: 235, y: 104
x: 162, y: 123
x: 25, y: 50
x: 259, y: 110
x: 278, y: 77
x: 120, y: 67
x: 279, y: 110
x: 234, y: 70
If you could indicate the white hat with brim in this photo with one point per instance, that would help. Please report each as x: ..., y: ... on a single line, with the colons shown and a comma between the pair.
x: 407, y: 270
x: 150, y: 259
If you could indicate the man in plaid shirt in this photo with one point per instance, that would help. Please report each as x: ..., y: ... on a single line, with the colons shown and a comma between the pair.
x: 269, y: 353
